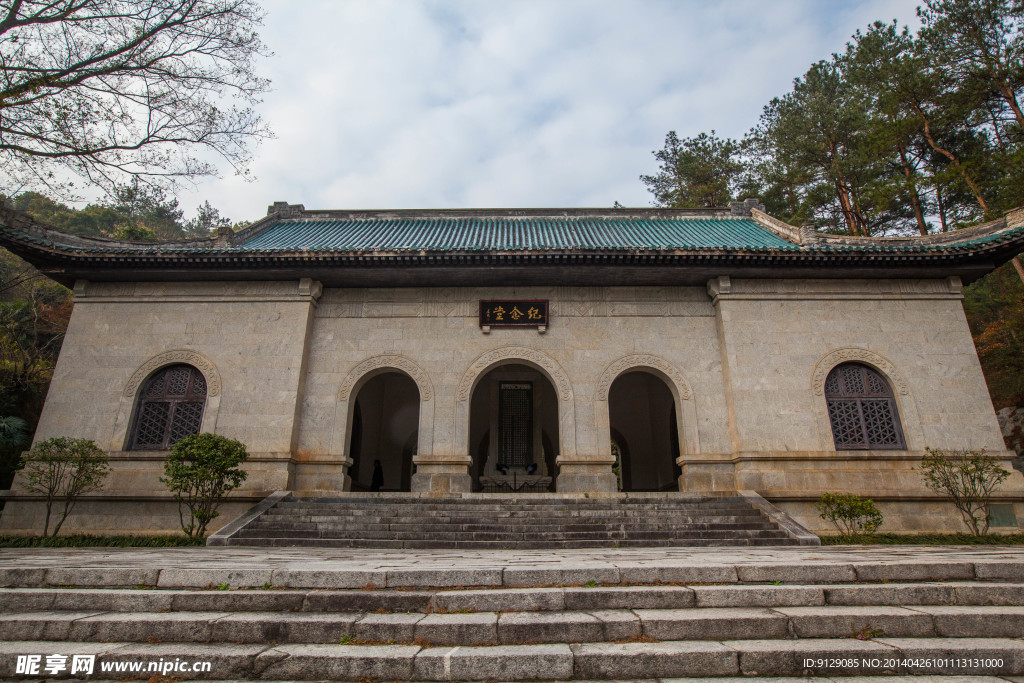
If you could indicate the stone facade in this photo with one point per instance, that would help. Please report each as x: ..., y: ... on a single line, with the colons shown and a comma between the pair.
x: 744, y: 359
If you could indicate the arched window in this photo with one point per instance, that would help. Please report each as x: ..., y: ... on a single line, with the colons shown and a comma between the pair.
x: 170, y: 407
x: 862, y: 409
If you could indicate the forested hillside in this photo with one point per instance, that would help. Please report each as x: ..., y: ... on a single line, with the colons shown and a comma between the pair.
x: 903, y: 132
x: 34, y: 311
x: 900, y: 133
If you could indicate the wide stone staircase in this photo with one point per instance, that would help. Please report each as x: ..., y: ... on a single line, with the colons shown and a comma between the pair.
x: 653, y: 621
x: 502, y: 521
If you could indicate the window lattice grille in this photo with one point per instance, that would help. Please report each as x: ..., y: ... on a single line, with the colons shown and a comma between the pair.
x: 515, y: 440
x: 862, y: 409
x: 171, y: 408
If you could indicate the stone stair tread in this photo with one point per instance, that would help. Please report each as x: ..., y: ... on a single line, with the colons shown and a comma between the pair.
x: 96, y: 600
x: 471, y: 522
x: 494, y: 545
x: 458, y: 628
x: 594, y: 661
x: 509, y: 536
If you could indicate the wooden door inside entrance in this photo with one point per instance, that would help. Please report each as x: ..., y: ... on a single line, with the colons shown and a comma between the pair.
x: 515, y: 424
x: 513, y: 431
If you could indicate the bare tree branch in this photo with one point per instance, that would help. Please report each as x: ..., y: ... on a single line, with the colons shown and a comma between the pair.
x: 106, y: 90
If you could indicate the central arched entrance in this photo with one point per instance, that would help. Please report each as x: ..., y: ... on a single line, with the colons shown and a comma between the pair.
x: 644, y: 433
x: 385, y: 428
x: 513, y: 431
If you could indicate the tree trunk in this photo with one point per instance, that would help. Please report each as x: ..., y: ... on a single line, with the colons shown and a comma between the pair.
x: 955, y: 161
x: 844, y: 206
x: 942, y: 209
x: 791, y: 197
x: 915, y: 199
x: 1011, y: 99
x: 1019, y: 267
x: 995, y: 128
x: 856, y: 215
x: 46, y: 524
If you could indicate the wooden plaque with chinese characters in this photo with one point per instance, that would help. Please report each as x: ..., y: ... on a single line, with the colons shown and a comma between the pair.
x: 513, y: 313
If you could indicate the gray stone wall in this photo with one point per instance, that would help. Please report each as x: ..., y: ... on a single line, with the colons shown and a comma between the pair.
x: 744, y: 360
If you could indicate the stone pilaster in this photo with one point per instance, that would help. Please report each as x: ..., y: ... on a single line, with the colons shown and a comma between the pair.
x: 441, y: 474
x: 583, y: 474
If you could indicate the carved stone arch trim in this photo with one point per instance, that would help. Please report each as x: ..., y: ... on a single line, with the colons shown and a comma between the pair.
x: 505, y: 355
x: 348, y: 390
x: 686, y: 410
x: 126, y: 409
x: 186, y: 356
x: 856, y: 354
x: 385, y: 361
x: 643, y: 362
x: 909, y: 418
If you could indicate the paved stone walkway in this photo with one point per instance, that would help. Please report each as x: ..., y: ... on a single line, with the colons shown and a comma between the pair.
x: 347, y: 568
x: 280, y: 558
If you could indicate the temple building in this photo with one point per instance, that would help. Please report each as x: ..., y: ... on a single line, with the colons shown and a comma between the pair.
x: 476, y: 352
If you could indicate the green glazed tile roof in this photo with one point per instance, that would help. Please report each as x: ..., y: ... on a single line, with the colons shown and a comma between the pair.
x: 516, y: 234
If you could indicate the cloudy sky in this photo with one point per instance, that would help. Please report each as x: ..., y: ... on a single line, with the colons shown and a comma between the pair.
x: 517, y: 103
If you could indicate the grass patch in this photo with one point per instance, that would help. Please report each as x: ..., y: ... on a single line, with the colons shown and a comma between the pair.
x: 89, y: 541
x: 924, y: 539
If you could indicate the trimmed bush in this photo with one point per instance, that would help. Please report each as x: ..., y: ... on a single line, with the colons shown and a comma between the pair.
x: 63, y: 469
x: 850, y: 514
x: 200, y: 470
x: 968, y: 478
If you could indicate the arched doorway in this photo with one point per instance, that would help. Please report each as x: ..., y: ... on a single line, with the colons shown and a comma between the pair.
x: 385, y: 427
x: 513, y: 429
x: 642, y: 418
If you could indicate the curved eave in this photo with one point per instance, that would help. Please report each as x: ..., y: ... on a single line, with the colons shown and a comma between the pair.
x: 547, y: 267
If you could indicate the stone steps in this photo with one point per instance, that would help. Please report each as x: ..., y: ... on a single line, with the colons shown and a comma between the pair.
x: 556, y: 662
x: 410, y: 511
x: 525, y: 522
x: 436, y: 621
x: 509, y: 534
x: 289, y: 523
x: 532, y: 599
x: 518, y: 628
x: 469, y: 517
x: 662, y: 521
x: 423, y: 544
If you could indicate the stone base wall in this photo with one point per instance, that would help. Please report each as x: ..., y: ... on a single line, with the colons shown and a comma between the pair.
x: 106, y: 516
x: 906, y: 516
x: 134, y: 500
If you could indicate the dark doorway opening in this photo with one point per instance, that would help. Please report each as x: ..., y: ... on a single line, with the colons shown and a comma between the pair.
x: 385, y: 427
x: 513, y: 431
x: 642, y: 416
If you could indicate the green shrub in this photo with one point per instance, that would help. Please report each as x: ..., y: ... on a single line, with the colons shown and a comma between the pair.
x: 959, y: 538
x: 64, y: 468
x: 91, y: 541
x: 968, y: 478
x: 14, y: 438
x: 200, y: 470
x: 849, y: 513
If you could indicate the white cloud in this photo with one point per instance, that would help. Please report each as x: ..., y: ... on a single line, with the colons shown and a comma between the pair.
x: 520, y: 103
